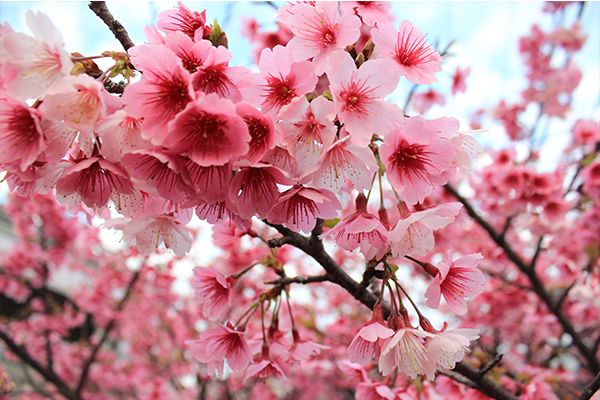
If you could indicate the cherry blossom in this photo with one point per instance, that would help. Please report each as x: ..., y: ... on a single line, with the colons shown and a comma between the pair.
x: 407, y: 47
x: 219, y: 343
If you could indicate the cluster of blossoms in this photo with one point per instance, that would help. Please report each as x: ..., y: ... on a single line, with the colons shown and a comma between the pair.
x: 308, y: 144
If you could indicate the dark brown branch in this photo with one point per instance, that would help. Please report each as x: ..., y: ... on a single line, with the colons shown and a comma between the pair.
x: 111, y: 324
x: 100, y: 9
x: 313, y: 246
x: 304, y: 280
x: 47, y: 373
x: 593, y: 364
x: 490, y: 365
x: 590, y: 389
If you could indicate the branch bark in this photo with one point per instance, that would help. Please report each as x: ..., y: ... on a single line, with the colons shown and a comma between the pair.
x: 593, y: 364
x: 590, y: 389
x: 100, y: 9
x: 313, y: 246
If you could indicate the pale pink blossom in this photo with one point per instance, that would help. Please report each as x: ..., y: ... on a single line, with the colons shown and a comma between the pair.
x: 414, y: 156
x: 213, y: 291
x: 374, y: 391
x: 413, y: 234
x: 458, y: 80
x: 78, y: 102
x: 344, y: 161
x: 362, y: 230
x: 304, y: 349
x: 456, y: 280
x: 281, y: 79
x: 299, y: 207
x: 371, y: 12
x: 422, y: 102
x: 307, y: 130
x: 367, y: 343
x: 208, y: 131
x: 120, y: 134
x: 223, y: 342
x: 318, y: 32
x: 267, y: 367
x: 448, y: 347
x: 358, y: 96
x: 21, y: 137
x: 586, y: 131
x: 31, y: 66
x: 183, y: 20
x: 406, y: 350
x: 407, y: 47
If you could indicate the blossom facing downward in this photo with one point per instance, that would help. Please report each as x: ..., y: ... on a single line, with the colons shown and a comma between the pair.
x: 213, y: 291
x: 407, y: 47
x: 456, y: 280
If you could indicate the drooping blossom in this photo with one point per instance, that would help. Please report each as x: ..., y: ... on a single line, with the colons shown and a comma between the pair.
x: 299, y: 207
x: 120, y: 134
x: 413, y: 233
x: 307, y: 130
x: 261, y: 129
x: 370, y: 390
x: 415, y: 156
x: 213, y: 292
x: 448, y: 347
x: 586, y: 131
x: 31, y: 66
x: 164, y: 90
x: 303, y: 349
x: 458, y: 80
x: 367, y: 343
x: 223, y: 342
x: 21, y: 137
x: 208, y: 131
x: 406, y: 350
x: 158, y: 173
x: 281, y: 79
x: 317, y: 31
x: 211, y: 184
x: 93, y: 180
x: 344, y: 161
x: 358, y: 96
x: 362, y: 230
x: 407, y: 47
x: 456, y: 280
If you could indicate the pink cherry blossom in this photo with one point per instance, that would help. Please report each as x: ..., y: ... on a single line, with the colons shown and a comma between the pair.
x: 307, y: 129
x: 21, y: 138
x: 456, y: 280
x: 371, y: 12
x: 31, y: 66
x: 213, y: 292
x: 414, y: 155
x: 211, y: 183
x: 374, y: 391
x: 318, y: 32
x: 219, y: 343
x: 261, y: 129
x: 209, y: 132
x: 299, y: 207
x: 406, y: 350
x: 586, y: 131
x: 362, y: 230
x: 413, y: 233
x: 120, y: 134
x: 344, y: 161
x: 164, y: 90
x: 181, y: 19
x: 358, y: 96
x: 407, y: 47
x: 281, y: 80
x: 449, y: 347
x: 458, y: 80
x: 93, y: 180
x: 367, y: 343
x: 422, y: 102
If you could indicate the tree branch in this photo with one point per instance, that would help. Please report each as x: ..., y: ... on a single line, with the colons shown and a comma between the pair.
x: 590, y: 389
x: 47, y: 373
x: 100, y: 9
x: 111, y: 324
x: 593, y: 364
x: 313, y: 246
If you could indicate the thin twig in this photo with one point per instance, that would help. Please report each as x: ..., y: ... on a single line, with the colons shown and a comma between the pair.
x: 490, y: 365
x: 107, y: 330
x: 593, y: 364
x: 100, y: 9
x: 299, y: 279
x: 590, y: 389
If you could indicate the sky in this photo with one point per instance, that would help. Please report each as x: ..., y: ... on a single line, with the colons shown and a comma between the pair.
x: 486, y: 35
